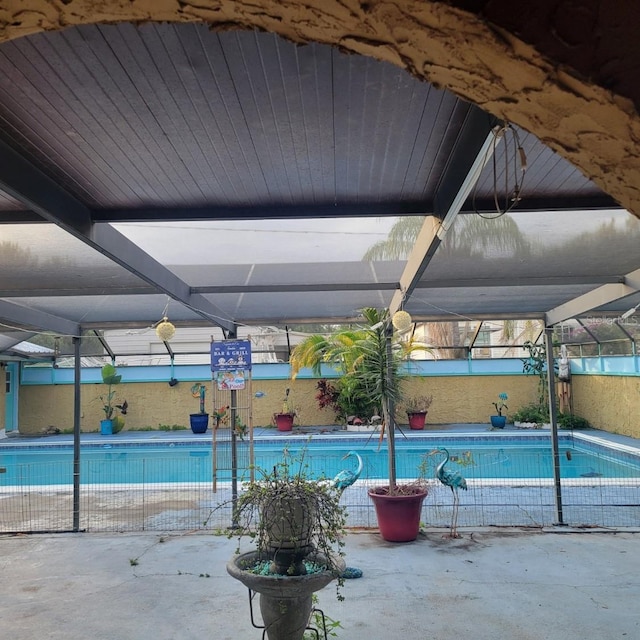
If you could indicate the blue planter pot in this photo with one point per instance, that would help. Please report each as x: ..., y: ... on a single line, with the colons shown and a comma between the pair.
x: 106, y: 427
x: 498, y: 422
x: 199, y: 422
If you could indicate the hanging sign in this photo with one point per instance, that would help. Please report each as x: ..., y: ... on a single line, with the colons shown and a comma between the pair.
x: 230, y: 355
x: 229, y: 380
x: 230, y: 360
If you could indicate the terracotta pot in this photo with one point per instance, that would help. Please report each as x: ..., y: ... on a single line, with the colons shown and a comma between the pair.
x: 284, y: 421
x: 417, y: 420
x: 398, y: 515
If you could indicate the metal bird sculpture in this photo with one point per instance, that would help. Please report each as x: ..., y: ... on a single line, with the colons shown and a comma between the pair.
x: 347, y: 477
x: 454, y: 481
x: 344, y: 479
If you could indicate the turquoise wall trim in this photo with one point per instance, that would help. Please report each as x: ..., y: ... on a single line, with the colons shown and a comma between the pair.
x: 610, y: 365
x: 184, y: 373
x: 607, y: 365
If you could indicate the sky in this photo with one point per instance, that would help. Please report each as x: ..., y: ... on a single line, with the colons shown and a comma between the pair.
x: 259, y: 241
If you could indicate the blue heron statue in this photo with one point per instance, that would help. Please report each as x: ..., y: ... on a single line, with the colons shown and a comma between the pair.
x: 454, y: 481
x: 344, y: 479
x: 347, y: 477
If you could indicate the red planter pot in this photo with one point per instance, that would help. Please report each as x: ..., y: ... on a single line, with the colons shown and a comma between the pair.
x: 417, y: 420
x: 284, y: 421
x: 398, y: 516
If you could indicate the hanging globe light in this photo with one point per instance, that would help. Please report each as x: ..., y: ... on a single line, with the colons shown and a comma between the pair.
x: 401, y: 320
x: 165, y: 330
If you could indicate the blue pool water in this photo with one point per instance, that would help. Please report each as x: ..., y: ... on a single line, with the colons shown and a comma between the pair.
x: 119, y: 463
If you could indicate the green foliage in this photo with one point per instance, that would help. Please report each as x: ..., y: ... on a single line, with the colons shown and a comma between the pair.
x: 111, y: 378
x: 118, y: 424
x: 169, y: 427
x: 501, y: 403
x: 286, y: 507
x: 534, y: 412
x: 346, y: 397
x: 570, y: 421
x: 371, y: 381
x: 322, y: 622
x: 536, y: 364
x: 540, y: 415
x: 361, y: 355
x: 353, y: 399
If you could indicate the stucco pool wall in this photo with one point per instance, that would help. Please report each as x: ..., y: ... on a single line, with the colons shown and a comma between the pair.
x: 610, y: 402
x: 457, y: 399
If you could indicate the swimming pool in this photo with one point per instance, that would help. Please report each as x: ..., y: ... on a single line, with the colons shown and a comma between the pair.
x: 480, y: 457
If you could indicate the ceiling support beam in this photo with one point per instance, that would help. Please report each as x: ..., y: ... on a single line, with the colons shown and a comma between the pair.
x: 295, y: 288
x: 475, y: 335
x: 287, y: 211
x: 423, y: 250
x: 598, y: 297
x: 25, y: 182
x: 473, y: 148
x: 454, y: 283
x: 105, y: 344
x: 18, y: 315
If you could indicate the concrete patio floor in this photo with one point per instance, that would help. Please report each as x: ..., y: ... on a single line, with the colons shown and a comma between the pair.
x: 491, y: 584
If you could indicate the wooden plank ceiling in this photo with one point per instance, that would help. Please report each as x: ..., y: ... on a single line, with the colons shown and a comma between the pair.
x: 164, y: 122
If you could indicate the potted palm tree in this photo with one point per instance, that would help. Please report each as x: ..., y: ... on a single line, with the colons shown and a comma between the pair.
x: 370, y: 359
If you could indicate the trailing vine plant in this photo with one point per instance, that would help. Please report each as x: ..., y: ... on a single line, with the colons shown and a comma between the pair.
x: 279, y: 504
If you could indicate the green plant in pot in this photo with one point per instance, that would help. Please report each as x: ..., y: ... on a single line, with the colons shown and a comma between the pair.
x: 284, y: 419
x: 498, y: 421
x: 112, y: 423
x: 199, y: 422
x: 296, y: 523
x: 370, y: 359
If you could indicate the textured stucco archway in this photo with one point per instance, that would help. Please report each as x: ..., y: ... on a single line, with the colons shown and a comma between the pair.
x: 562, y: 69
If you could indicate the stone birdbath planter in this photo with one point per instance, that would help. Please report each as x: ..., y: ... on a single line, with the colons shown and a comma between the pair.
x: 296, y: 523
x: 285, y: 600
